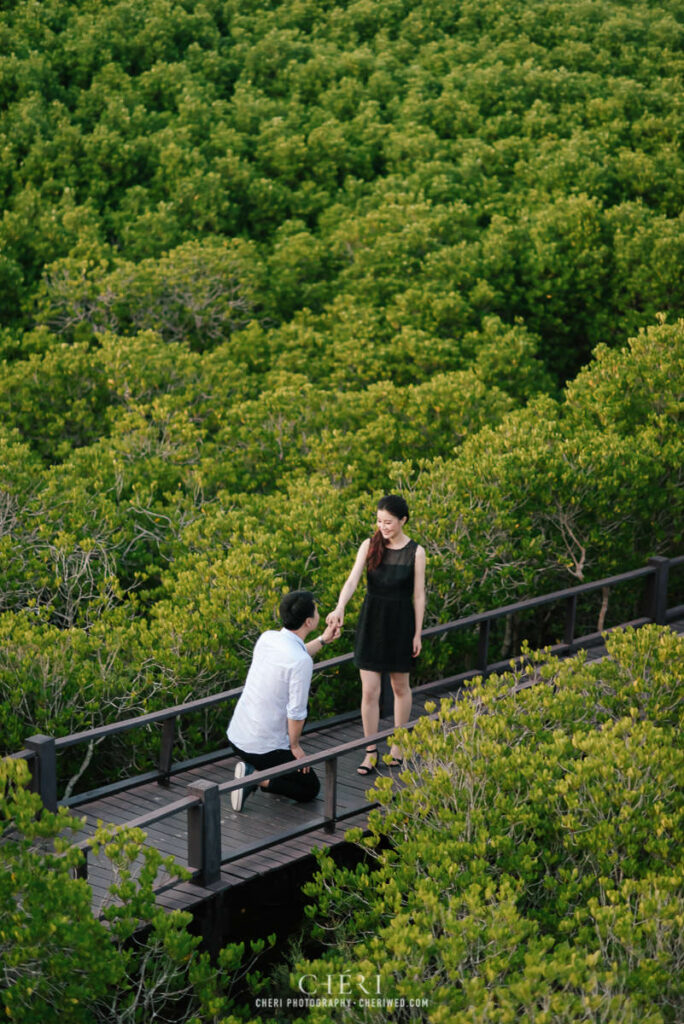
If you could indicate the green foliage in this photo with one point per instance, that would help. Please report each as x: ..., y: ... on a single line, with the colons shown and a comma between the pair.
x: 140, y: 569
x: 422, y: 166
x: 561, y: 491
x: 56, y: 957
x: 64, y: 958
x: 265, y: 262
x: 60, y: 962
x: 66, y: 414
x: 529, y: 867
x: 259, y: 263
x: 200, y: 293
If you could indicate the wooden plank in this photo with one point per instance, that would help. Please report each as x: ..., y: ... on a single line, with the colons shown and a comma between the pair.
x: 131, y: 803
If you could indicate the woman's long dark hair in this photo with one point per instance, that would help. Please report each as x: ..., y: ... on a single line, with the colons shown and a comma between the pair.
x: 396, y: 506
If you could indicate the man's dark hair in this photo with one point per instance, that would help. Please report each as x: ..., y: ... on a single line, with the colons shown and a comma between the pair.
x: 296, y: 607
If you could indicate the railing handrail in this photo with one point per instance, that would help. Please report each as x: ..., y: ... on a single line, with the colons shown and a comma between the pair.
x: 43, y: 750
x: 475, y: 619
x: 537, y: 602
x: 324, y: 756
x: 326, y: 822
x: 150, y: 718
x: 202, y: 802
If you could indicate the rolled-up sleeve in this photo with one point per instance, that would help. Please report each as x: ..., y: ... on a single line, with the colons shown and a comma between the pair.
x: 300, y: 683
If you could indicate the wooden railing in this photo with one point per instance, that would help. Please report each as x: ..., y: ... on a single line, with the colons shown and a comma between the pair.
x: 203, y: 808
x: 202, y: 804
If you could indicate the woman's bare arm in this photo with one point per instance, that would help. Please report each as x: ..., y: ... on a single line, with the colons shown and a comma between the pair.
x: 419, y: 599
x: 350, y: 585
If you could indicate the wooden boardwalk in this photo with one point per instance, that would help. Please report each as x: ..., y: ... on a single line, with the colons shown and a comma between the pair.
x: 269, y: 843
x: 263, y: 817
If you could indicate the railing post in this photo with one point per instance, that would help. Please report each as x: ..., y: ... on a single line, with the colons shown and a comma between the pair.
x: 166, y: 750
x: 483, y: 647
x: 204, y: 830
x: 570, y: 619
x: 330, y: 798
x: 656, y: 593
x: 44, y: 769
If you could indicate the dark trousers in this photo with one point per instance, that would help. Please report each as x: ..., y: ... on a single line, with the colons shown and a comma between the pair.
x: 300, y: 786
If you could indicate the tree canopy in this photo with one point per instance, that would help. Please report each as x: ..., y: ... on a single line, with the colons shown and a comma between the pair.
x: 529, y: 867
x: 262, y: 262
x: 424, y: 165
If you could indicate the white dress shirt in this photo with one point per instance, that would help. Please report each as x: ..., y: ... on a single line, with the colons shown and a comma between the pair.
x: 276, y: 688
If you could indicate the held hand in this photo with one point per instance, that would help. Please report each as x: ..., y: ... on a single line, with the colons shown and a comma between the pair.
x: 299, y: 754
x: 335, y: 618
x: 417, y: 645
x: 331, y: 632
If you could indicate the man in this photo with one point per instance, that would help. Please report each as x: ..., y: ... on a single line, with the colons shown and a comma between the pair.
x: 267, y: 723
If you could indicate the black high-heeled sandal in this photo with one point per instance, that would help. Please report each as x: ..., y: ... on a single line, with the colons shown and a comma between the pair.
x: 368, y: 769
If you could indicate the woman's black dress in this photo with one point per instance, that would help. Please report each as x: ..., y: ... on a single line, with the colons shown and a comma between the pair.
x: 384, y: 633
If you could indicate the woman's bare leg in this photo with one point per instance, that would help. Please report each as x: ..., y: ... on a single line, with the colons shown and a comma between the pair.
x: 403, y: 700
x: 370, y: 708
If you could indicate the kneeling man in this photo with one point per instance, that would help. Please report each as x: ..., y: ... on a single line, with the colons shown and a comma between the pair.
x: 267, y: 723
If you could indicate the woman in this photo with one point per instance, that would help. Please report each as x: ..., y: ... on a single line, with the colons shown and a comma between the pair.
x: 388, y: 633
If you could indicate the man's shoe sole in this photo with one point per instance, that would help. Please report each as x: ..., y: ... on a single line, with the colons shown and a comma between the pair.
x: 237, y: 796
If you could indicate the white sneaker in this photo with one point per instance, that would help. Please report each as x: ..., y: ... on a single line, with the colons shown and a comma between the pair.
x: 238, y: 796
